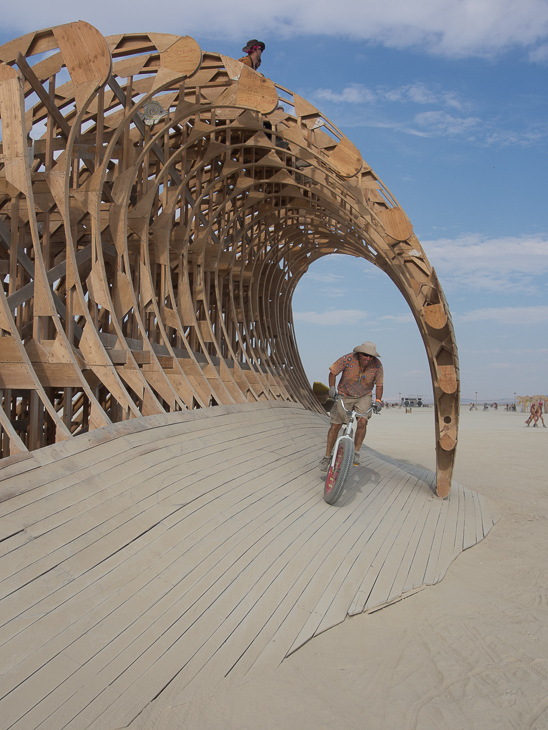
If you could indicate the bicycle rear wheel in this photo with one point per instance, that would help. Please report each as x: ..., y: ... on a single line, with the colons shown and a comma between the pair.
x: 338, y: 471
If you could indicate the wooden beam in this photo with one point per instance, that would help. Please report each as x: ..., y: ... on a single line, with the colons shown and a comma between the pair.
x: 188, y: 235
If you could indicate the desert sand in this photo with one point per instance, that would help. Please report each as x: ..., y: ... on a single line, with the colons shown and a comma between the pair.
x: 468, y: 653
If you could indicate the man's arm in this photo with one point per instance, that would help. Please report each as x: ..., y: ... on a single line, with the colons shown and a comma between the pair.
x: 332, y: 384
x: 377, y: 405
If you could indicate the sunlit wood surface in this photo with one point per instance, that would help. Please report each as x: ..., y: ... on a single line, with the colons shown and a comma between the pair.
x: 139, y: 558
x: 158, y: 206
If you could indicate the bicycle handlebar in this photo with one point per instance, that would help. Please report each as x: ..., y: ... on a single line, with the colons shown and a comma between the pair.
x: 338, y: 397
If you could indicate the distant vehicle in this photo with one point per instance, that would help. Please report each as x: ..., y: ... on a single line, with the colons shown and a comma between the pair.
x: 412, y: 401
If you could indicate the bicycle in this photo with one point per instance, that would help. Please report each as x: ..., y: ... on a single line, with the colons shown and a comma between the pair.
x: 343, y: 456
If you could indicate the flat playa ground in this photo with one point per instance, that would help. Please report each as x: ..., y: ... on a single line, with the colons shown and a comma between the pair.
x: 468, y: 653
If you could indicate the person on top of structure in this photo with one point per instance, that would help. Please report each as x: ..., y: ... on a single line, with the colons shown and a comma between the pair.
x: 254, y: 50
x: 361, y: 371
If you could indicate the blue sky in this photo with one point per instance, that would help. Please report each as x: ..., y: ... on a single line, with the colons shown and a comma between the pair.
x: 447, y: 101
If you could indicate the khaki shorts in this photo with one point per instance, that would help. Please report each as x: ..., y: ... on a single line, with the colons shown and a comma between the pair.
x: 338, y: 415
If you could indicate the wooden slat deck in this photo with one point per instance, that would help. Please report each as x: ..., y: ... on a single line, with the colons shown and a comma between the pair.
x: 137, y: 558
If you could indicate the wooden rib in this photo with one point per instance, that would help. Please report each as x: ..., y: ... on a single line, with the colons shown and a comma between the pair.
x: 162, y: 259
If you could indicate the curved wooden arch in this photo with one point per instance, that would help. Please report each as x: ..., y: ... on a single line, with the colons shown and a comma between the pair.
x: 158, y: 206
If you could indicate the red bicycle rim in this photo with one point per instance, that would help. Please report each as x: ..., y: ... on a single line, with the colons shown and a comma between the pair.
x: 333, y: 472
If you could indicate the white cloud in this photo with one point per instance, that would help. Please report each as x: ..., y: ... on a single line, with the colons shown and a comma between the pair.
x: 520, y: 352
x: 352, y: 94
x: 403, y: 318
x: 439, y: 123
x: 416, y: 93
x: 451, y: 116
x: 349, y: 317
x: 490, y: 264
x: 420, y: 93
x: 454, y: 28
x: 518, y: 368
x: 332, y: 317
x: 507, y: 315
x: 510, y: 138
x: 330, y: 278
x: 539, y: 54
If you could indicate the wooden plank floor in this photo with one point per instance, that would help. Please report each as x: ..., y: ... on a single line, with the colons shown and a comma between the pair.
x: 137, y: 558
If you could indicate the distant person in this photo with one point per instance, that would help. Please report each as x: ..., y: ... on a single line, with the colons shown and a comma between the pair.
x: 254, y: 50
x: 538, y: 415
x: 531, y: 414
x: 361, y: 372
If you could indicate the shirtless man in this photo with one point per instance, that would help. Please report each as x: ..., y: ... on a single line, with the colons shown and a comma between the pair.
x: 538, y: 415
x: 531, y: 414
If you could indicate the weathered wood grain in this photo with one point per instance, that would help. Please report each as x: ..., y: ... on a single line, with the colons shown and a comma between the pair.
x: 196, y: 544
x: 156, y: 215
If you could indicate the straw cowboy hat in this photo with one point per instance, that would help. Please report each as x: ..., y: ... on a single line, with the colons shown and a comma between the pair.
x: 253, y: 42
x: 367, y: 348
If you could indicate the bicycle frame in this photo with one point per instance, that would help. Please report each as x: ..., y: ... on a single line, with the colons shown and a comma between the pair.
x: 342, y: 457
x: 349, y: 429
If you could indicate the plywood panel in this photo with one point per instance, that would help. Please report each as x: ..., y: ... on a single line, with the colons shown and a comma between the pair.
x: 198, y: 544
x: 138, y: 218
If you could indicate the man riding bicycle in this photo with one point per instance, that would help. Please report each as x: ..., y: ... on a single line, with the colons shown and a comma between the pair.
x: 361, y: 370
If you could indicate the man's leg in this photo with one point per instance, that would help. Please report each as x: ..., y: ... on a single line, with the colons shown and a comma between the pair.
x: 332, y: 437
x: 360, y: 433
x: 363, y: 405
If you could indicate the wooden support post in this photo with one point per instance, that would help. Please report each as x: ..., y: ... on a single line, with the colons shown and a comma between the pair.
x: 199, y: 226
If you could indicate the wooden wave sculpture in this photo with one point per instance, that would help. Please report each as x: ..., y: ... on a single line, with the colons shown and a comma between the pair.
x: 158, y: 206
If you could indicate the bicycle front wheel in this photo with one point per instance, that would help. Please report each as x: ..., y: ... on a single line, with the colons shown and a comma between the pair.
x: 338, y: 471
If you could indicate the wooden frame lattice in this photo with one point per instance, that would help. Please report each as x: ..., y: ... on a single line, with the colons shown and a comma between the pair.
x: 158, y: 206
